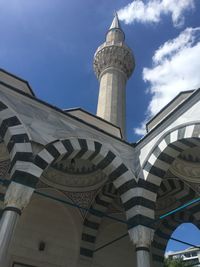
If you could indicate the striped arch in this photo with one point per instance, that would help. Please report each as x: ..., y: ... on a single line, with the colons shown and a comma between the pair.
x: 16, y: 139
x: 181, y: 193
x: 93, y: 220
x: 164, y: 232
x: 174, y: 187
x: 86, y: 149
x: 117, y: 172
x: 179, y: 190
x: 161, y: 157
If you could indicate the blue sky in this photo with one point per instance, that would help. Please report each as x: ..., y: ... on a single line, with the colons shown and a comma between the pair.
x: 51, y: 44
x: 186, y: 232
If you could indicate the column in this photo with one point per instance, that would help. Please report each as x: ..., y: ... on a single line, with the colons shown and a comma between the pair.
x: 16, y: 199
x: 142, y: 237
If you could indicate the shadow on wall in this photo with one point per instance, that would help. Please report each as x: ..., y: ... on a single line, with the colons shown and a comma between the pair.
x: 48, y: 234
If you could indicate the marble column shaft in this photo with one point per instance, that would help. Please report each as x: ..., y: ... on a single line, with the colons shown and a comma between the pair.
x: 7, y: 226
x: 16, y: 199
x: 142, y: 237
x: 143, y: 257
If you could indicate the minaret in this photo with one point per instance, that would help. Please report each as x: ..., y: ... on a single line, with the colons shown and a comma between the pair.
x: 113, y: 65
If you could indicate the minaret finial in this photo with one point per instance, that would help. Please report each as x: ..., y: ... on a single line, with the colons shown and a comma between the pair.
x: 115, y: 23
x: 115, y: 33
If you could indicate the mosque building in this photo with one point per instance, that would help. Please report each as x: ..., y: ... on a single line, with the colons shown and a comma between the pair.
x: 75, y: 193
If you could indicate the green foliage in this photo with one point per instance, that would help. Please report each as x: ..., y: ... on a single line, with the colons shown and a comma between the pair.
x: 174, y: 263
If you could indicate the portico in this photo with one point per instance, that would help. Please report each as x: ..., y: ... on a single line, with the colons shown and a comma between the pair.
x: 50, y: 157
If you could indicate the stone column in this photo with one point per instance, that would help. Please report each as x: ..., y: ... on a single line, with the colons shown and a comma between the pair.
x: 16, y: 199
x: 142, y: 237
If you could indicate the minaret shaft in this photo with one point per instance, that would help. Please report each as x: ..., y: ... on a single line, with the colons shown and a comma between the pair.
x: 112, y: 97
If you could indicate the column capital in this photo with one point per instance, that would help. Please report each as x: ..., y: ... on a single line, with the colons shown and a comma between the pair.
x: 141, y: 236
x: 18, y: 196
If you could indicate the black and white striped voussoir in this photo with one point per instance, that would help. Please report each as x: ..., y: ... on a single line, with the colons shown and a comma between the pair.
x: 68, y: 149
x: 139, y: 203
x: 183, y: 194
x: 19, y: 147
x: 93, y: 220
x: 101, y: 204
x: 99, y: 154
x: 162, y: 156
x: 167, y: 149
x: 177, y: 189
x: 170, y: 187
x: 164, y: 232
x: 87, y: 149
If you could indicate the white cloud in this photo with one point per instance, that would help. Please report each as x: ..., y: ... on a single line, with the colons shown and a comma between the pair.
x: 168, y: 253
x: 141, y: 130
x: 152, y: 10
x: 185, y: 39
x: 175, y: 68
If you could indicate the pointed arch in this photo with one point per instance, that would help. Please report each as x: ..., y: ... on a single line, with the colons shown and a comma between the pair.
x: 164, y: 232
x: 104, y: 158
x: 165, y: 151
x: 180, y: 193
x: 93, y: 220
x: 177, y: 190
x: 101, y: 155
x: 17, y: 140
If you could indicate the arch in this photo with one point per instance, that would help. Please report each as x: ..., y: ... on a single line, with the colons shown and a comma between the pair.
x: 179, y: 193
x: 52, y: 222
x: 93, y: 220
x: 169, y: 146
x: 181, y: 232
x: 176, y: 189
x: 102, y: 156
x: 17, y: 141
x: 164, y: 232
x: 167, y: 149
x: 106, y: 159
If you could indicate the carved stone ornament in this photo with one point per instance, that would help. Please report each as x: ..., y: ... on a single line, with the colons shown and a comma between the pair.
x: 18, y: 195
x: 187, y: 165
x: 141, y: 236
x: 80, y: 175
x: 4, y: 168
x: 118, y: 56
x: 83, y: 199
x: 189, y: 171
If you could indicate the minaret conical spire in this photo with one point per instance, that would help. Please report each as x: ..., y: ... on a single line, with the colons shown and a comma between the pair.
x: 113, y: 65
x: 115, y: 23
x: 115, y: 33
